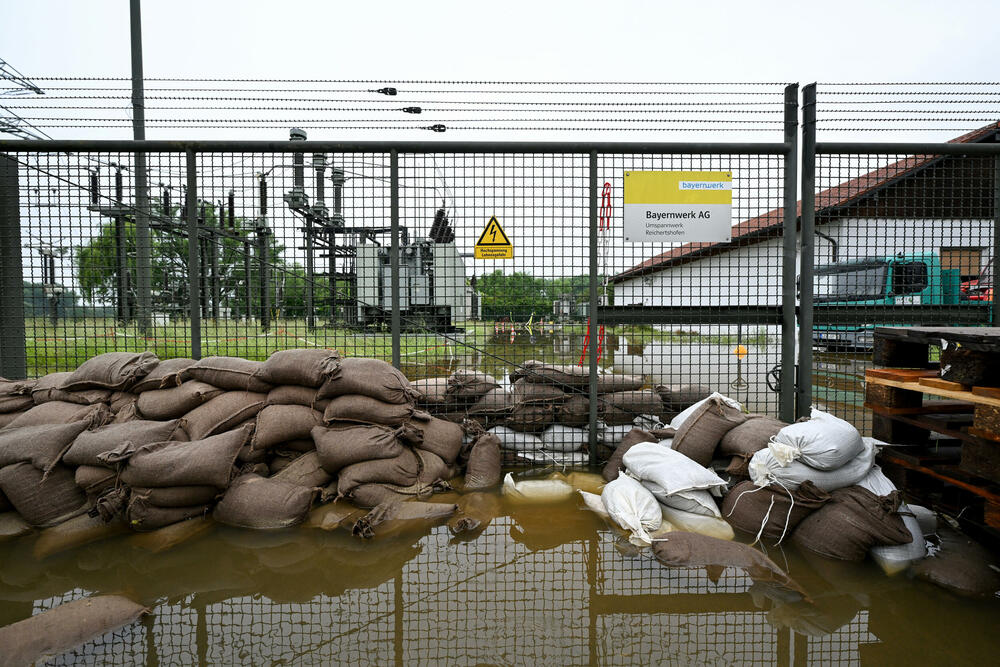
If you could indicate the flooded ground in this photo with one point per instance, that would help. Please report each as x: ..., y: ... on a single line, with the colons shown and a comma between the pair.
x: 539, y: 585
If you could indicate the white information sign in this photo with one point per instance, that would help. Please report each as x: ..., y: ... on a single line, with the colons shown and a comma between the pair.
x: 678, y: 206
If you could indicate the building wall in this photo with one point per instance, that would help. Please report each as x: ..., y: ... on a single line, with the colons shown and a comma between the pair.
x: 751, y: 275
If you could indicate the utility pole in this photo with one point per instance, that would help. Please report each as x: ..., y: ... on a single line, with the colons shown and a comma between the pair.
x: 143, y: 253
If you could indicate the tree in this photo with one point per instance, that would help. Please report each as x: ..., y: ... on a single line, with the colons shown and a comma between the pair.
x: 96, y: 263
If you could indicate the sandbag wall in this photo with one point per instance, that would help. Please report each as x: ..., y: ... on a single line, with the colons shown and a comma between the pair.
x: 542, y: 414
x: 130, y: 440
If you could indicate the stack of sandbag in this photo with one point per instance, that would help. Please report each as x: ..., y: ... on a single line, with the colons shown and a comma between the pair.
x: 677, y: 398
x: 462, y: 395
x: 376, y: 442
x: 825, y: 450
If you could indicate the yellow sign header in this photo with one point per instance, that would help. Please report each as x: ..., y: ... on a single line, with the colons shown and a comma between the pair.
x: 678, y: 187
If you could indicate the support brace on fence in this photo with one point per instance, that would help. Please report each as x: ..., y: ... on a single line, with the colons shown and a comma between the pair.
x: 806, y: 251
x: 13, y: 355
x: 194, y: 255
x: 594, y: 303
x: 393, y: 253
x: 786, y: 406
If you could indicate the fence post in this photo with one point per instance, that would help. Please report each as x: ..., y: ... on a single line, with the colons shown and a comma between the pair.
x: 594, y: 324
x: 807, y: 251
x: 786, y: 407
x: 394, y: 252
x: 996, y: 240
x: 194, y: 254
x: 13, y: 353
x: 263, y: 261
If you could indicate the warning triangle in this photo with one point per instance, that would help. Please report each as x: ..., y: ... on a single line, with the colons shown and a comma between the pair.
x: 493, y: 234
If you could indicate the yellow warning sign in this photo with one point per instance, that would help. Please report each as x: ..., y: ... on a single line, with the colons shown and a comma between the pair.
x: 493, y: 242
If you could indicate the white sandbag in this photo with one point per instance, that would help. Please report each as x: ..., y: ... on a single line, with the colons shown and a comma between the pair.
x: 592, y: 502
x: 697, y: 502
x: 894, y: 559
x: 543, y: 456
x: 667, y: 472
x: 536, y: 490
x: 765, y: 469
x: 516, y: 441
x: 679, y: 420
x: 823, y: 442
x: 709, y: 526
x: 926, y: 518
x: 612, y: 436
x: 561, y: 438
x: 633, y: 508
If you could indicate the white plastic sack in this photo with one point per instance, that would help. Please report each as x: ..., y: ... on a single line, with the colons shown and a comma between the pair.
x: 823, y: 442
x: 679, y: 420
x: 543, y: 456
x: 697, y: 523
x: 562, y: 438
x: 536, y: 490
x: 593, y: 502
x: 697, y: 502
x: 612, y: 436
x: 896, y: 558
x: 669, y: 471
x: 516, y: 441
x: 633, y: 508
x: 765, y: 469
x: 926, y: 518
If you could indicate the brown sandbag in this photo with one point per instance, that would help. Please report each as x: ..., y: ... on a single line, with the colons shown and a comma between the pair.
x: 333, y: 515
x: 42, y: 502
x: 88, y: 445
x: 302, y: 445
x: 173, y: 402
x: 373, y: 378
x: 532, y: 418
x: 120, y: 400
x: 41, y: 446
x: 290, y: 394
x: 747, y: 505
x: 249, y: 455
x: 433, y: 468
x: 470, y: 384
x: 400, y: 470
x: 527, y: 393
x: 700, y: 434
x: 441, y: 437
x: 851, y: 523
x: 306, y: 470
x: 494, y: 403
x: 691, y: 550
x: 168, y: 537
x: 7, y: 417
x: 12, y: 526
x: 66, y: 627
x: 475, y: 512
x: 4, y: 503
x: 61, y: 412
x: 622, y: 407
x: 177, y: 496
x: 168, y: 373
x: 751, y: 436
x: 230, y: 373
x: 76, y: 532
x: 961, y: 566
x: 47, y: 388
x: 563, y: 376
x: 613, y: 382
x: 485, y: 463
x: 396, y: 518
x: 368, y: 410
x: 207, y: 462
x: 575, y: 411
x: 341, y: 445
x: 369, y: 496
x: 680, y: 398
x: 223, y: 413
x: 305, y: 368
x: 280, y: 423
x: 16, y: 395
x: 94, y: 480
x: 264, y: 504
x: 431, y: 390
x: 632, y: 438
x: 143, y: 517
x: 111, y: 370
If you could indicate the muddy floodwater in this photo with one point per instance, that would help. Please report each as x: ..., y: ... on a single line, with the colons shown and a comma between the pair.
x: 539, y: 585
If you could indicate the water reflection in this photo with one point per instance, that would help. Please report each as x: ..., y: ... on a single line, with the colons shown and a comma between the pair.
x: 536, y: 585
